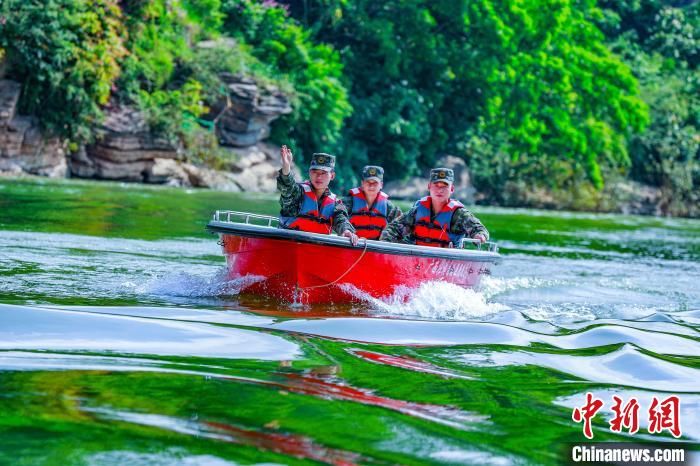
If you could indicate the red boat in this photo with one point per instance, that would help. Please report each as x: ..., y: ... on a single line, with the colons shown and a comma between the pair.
x: 302, y: 267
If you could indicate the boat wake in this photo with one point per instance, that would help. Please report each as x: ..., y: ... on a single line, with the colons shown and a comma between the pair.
x: 186, y: 285
x: 434, y: 300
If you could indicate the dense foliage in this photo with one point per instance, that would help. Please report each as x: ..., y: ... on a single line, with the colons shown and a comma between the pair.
x: 559, y: 96
x: 314, y: 70
x: 149, y: 53
x: 66, y: 53
x: 173, y: 72
x: 531, y: 83
x: 661, y: 43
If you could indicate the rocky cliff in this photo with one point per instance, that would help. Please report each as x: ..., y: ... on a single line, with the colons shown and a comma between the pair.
x: 125, y: 149
x: 23, y: 148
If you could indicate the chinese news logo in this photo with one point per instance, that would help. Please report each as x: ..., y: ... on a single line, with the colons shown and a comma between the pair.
x: 662, y: 415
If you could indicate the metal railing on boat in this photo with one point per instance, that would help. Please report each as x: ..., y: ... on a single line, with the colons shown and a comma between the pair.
x: 248, y: 218
x: 488, y: 245
x: 230, y: 216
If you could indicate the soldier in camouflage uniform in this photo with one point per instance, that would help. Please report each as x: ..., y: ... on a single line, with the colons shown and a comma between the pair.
x: 436, y: 220
x: 369, y: 207
x: 310, y: 205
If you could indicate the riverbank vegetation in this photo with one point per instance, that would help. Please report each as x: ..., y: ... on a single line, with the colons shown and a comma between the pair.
x: 567, y: 99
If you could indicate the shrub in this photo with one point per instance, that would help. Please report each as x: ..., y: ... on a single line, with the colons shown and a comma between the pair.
x: 66, y: 55
x: 660, y: 43
x: 170, y: 77
x: 314, y: 70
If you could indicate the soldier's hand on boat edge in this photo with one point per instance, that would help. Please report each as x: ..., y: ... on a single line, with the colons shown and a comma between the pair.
x: 353, y: 237
x: 287, y: 157
x: 480, y: 237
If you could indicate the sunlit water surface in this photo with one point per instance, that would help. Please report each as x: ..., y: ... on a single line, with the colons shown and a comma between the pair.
x: 121, y: 342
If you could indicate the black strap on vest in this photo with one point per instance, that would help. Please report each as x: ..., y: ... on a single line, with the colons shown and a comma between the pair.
x: 368, y: 213
x: 433, y: 240
x: 368, y: 227
x: 323, y: 221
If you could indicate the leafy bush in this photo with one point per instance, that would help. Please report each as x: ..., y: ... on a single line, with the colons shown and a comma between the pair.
x: 173, y: 112
x: 162, y: 34
x: 207, y: 64
x: 203, y: 149
x: 66, y: 55
x: 170, y: 77
x: 314, y: 70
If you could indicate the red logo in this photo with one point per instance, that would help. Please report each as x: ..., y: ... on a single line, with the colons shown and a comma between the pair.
x: 663, y: 415
x: 627, y: 416
x: 586, y: 413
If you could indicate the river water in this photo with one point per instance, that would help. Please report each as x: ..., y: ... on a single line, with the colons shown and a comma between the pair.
x: 122, y: 343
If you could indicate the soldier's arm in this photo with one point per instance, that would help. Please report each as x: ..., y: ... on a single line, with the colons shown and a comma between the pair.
x: 341, y: 221
x: 347, y: 202
x: 464, y: 222
x: 399, y: 230
x: 290, y: 194
x: 393, y: 212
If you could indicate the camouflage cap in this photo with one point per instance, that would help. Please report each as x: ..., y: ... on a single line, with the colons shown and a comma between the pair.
x: 446, y: 175
x: 321, y: 161
x: 373, y: 172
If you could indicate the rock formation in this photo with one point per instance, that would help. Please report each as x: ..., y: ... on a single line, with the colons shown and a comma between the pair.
x: 256, y: 170
x: 243, y: 118
x: 125, y: 149
x: 23, y: 147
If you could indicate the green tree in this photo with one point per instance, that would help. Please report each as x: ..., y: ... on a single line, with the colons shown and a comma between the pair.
x: 169, y: 77
x: 406, y: 97
x: 553, y: 87
x: 532, y: 80
x: 314, y: 70
x: 661, y: 43
x: 66, y: 55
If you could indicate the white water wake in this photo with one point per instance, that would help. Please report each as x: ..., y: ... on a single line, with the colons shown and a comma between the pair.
x: 187, y: 285
x: 431, y: 301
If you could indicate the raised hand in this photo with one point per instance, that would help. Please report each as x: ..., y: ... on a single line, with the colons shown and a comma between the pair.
x: 287, y: 158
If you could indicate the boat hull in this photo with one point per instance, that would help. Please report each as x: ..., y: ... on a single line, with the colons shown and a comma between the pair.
x: 316, y: 272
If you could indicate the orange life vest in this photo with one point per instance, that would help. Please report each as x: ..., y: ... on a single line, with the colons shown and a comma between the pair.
x: 312, y: 217
x: 435, y: 232
x: 368, y: 221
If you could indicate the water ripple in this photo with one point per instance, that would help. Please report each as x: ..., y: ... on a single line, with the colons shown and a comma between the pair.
x: 29, y: 328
